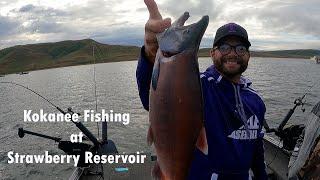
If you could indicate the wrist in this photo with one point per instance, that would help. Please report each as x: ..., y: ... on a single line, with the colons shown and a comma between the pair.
x: 150, y: 52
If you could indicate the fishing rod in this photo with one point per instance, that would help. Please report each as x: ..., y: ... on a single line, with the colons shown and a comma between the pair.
x: 22, y: 132
x: 98, y: 53
x: 95, y: 84
x: 25, y: 87
x: 96, y: 100
x: 279, y: 131
x: 297, y: 102
x: 103, y: 146
x: 80, y: 126
x: 67, y: 146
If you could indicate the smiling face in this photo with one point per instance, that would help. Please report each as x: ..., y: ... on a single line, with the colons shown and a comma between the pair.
x: 232, y: 64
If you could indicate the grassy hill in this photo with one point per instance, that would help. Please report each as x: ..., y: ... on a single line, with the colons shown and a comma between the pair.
x: 65, y: 53
x: 68, y: 53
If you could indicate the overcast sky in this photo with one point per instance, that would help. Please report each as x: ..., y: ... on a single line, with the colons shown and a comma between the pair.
x: 271, y: 24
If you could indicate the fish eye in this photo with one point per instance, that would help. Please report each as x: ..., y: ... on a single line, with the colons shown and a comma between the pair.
x: 168, y: 54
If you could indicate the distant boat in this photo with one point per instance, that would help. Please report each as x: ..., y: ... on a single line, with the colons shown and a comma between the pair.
x: 22, y: 73
x: 1, y: 75
x: 316, y: 58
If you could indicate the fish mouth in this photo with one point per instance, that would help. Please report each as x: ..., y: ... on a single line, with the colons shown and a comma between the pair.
x: 201, y: 25
x: 178, y: 37
x: 197, y: 30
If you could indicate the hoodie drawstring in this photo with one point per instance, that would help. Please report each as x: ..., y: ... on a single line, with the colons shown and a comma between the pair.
x: 240, y: 109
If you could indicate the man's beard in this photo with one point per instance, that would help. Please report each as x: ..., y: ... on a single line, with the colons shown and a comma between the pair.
x: 220, y: 66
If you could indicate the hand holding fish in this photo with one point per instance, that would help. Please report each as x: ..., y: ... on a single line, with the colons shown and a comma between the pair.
x: 175, y: 101
x: 154, y: 25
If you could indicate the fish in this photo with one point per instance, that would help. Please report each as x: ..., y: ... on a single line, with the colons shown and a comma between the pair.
x: 176, y: 104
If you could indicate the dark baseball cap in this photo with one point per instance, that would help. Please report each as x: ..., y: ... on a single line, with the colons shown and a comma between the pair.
x: 231, y: 29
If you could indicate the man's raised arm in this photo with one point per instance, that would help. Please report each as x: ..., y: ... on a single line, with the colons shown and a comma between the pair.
x: 154, y: 25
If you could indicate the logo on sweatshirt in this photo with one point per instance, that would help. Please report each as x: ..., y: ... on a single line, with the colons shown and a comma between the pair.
x: 241, y: 133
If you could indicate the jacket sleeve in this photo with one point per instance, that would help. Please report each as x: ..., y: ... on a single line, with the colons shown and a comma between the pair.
x: 258, y: 166
x: 143, y: 75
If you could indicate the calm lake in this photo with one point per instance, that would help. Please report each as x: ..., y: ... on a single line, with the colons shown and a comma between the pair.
x: 278, y: 81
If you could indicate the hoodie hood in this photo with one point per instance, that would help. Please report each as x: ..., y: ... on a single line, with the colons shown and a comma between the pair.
x: 213, y: 74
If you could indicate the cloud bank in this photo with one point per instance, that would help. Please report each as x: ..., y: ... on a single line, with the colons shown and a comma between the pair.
x: 271, y: 24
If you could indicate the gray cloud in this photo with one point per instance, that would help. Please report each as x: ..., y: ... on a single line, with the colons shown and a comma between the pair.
x: 8, y: 26
x: 196, y: 9
x: 276, y: 23
x: 271, y: 24
x: 36, y: 19
x: 301, y: 18
x: 27, y: 8
x: 122, y: 35
x: 31, y: 10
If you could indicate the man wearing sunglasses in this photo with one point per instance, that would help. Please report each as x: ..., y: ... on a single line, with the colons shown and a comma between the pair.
x: 233, y: 111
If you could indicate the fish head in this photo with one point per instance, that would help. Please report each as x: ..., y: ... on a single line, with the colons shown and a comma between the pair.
x: 178, y: 37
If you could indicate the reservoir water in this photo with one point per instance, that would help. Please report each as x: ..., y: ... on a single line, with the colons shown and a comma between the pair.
x: 278, y: 81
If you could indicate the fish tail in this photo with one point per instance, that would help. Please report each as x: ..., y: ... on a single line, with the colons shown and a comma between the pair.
x: 157, y: 173
x: 202, y: 143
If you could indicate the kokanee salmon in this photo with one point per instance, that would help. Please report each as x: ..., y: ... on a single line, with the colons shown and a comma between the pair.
x: 176, y: 107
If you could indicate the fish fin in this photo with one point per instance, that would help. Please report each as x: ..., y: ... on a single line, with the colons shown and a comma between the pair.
x: 202, y: 143
x: 157, y: 173
x: 155, y: 75
x: 150, y: 136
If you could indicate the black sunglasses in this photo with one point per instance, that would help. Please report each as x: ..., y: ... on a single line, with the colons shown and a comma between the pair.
x: 225, y: 49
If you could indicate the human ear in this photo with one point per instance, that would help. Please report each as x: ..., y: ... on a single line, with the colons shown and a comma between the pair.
x: 212, y: 53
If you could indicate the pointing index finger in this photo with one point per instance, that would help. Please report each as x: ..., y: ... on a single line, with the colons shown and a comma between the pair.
x: 153, y: 9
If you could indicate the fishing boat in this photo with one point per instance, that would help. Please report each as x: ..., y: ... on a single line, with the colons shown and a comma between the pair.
x: 282, y: 142
x: 97, y: 147
x: 316, y: 59
x: 22, y: 73
x: 114, y: 171
x: 279, y: 149
x: 279, y: 143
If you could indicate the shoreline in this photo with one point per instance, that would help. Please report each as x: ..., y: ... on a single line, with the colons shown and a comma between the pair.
x: 116, y: 61
x: 31, y: 57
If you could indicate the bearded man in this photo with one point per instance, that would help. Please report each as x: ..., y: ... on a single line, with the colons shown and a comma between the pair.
x: 233, y: 111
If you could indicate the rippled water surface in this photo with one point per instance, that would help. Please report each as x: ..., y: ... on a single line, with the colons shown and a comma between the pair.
x: 279, y: 82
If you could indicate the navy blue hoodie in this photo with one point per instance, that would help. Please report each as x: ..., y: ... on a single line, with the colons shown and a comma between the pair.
x: 233, y: 119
